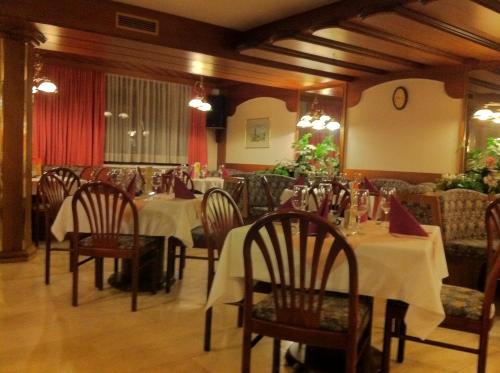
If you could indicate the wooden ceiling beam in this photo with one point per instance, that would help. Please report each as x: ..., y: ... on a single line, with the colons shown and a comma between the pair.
x: 300, y: 69
x: 484, y: 84
x: 317, y: 58
x: 490, y: 4
x: 446, y: 27
x: 307, y: 22
x: 329, y: 43
x: 382, y: 35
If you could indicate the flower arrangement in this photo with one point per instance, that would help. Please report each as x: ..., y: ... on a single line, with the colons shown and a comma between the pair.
x: 483, y: 171
x: 320, y: 158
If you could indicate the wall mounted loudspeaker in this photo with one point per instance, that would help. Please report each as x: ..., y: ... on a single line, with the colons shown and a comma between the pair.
x: 216, y: 118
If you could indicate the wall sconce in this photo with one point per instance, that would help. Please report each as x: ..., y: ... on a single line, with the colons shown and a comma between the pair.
x: 317, y: 119
x: 199, y: 100
x: 487, y: 114
x: 41, y: 83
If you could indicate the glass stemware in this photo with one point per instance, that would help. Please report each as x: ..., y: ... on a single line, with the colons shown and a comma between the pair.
x: 362, y: 197
x: 299, y: 197
x: 323, y: 191
x: 385, y: 200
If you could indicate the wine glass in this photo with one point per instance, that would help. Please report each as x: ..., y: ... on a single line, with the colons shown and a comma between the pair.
x: 385, y: 200
x: 299, y: 197
x: 323, y: 191
x: 342, y: 179
x: 362, y: 197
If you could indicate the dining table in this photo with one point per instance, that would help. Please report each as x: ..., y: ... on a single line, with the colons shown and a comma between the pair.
x: 205, y: 183
x: 390, y: 266
x: 159, y: 215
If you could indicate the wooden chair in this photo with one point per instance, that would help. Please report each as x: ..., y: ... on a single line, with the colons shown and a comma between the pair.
x: 183, y: 176
x: 70, y: 180
x: 219, y: 214
x: 269, y: 195
x: 341, y: 198
x: 104, y: 174
x: 106, y: 208
x: 466, y: 310
x: 87, y: 173
x: 237, y: 188
x: 299, y: 307
x: 51, y: 194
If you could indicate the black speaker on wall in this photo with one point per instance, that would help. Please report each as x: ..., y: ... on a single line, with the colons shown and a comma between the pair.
x: 216, y: 118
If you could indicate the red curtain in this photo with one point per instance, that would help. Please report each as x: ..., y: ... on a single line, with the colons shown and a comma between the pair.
x: 68, y: 127
x: 197, y: 142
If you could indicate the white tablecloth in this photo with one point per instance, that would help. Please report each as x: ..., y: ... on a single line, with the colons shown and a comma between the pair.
x: 163, y: 216
x: 206, y: 183
x: 404, y: 268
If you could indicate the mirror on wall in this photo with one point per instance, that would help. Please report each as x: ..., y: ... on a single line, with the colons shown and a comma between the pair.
x: 483, y: 109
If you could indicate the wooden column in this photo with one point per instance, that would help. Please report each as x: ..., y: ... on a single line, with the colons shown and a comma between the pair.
x: 16, y: 74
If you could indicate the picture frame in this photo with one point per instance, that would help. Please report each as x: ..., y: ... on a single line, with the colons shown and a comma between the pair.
x: 257, y: 133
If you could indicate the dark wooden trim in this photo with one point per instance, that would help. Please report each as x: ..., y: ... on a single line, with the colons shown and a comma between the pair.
x: 329, y: 43
x: 304, y: 70
x: 410, y: 177
x: 446, y: 27
x: 482, y: 83
x: 317, y: 58
x: 314, y: 19
x: 248, y: 167
x: 490, y: 4
x: 382, y: 35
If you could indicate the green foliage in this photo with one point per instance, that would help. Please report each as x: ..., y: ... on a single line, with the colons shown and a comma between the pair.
x: 322, y: 157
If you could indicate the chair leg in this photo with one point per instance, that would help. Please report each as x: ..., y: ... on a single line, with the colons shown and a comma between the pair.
x: 401, y: 341
x: 276, y: 355
x: 170, y: 265
x: 208, y: 329
x: 247, y: 350
x: 483, y: 351
x: 135, y: 282
x: 386, y: 349
x: 182, y: 261
x: 74, y: 261
x: 154, y: 275
x: 99, y: 273
x: 240, y: 315
x: 47, y: 261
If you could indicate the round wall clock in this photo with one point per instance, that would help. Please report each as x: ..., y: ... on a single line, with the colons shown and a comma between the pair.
x: 400, y: 98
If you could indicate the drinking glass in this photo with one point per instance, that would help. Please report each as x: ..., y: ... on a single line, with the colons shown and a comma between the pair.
x: 342, y: 179
x: 323, y: 191
x: 362, y: 197
x: 385, y: 200
x: 299, y: 197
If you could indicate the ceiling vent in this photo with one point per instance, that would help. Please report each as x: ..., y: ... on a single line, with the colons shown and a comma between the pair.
x: 138, y: 24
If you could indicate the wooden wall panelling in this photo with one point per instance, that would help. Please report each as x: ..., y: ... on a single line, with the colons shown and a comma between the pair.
x: 410, y: 177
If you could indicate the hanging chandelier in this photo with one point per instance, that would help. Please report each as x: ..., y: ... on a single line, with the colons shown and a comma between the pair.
x: 317, y: 119
x: 487, y: 114
x: 199, y: 100
x: 41, y: 83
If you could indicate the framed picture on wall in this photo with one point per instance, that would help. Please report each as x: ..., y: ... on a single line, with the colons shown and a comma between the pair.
x: 257, y: 133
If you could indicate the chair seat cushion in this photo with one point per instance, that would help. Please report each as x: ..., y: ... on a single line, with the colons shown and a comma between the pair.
x: 199, y: 239
x: 125, y: 241
x: 334, y: 312
x: 462, y: 302
x: 475, y: 248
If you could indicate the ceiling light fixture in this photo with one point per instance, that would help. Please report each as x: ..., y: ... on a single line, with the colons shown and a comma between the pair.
x: 199, y: 100
x: 317, y: 119
x: 41, y: 83
x: 485, y: 113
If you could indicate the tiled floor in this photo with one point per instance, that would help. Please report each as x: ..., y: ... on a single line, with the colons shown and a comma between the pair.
x: 41, y: 332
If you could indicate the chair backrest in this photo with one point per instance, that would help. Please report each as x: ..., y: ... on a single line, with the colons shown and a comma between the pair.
x: 462, y: 213
x: 68, y: 177
x: 425, y: 208
x: 400, y: 185
x: 181, y: 175
x: 107, y: 208
x: 104, y: 174
x: 269, y: 194
x: 299, y: 266
x: 490, y: 290
x: 87, y: 173
x: 492, y: 222
x: 237, y: 188
x: 52, y: 192
x: 219, y: 214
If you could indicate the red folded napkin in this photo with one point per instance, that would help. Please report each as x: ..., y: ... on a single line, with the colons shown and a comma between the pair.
x: 300, y: 181
x: 323, y: 211
x: 181, y: 191
x: 225, y: 172
x: 369, y: 185
x: 401, y: 221
x: 286, y: 205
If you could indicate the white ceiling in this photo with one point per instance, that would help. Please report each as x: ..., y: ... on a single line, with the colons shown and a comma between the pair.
x: 235, y: 14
